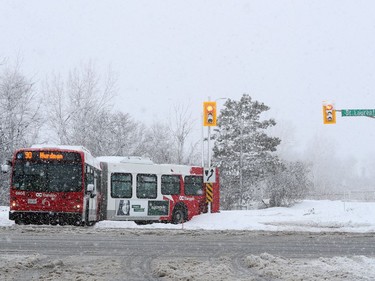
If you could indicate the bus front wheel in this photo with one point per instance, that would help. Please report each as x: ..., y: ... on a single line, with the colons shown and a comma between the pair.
x: 18, y: 221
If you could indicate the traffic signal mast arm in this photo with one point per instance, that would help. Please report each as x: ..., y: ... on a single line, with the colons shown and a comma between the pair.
x: 329, y: 113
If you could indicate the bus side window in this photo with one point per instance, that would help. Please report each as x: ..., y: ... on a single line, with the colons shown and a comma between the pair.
x: 193, y: 185
x: 146, y: 186
x: 121, y: 185
x: 170, y: 184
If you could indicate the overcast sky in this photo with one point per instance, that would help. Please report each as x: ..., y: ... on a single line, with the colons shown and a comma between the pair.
x: 291, y: 55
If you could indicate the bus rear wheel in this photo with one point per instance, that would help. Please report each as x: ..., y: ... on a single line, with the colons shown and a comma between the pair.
x: 178, y: 216
x: 90, y: 223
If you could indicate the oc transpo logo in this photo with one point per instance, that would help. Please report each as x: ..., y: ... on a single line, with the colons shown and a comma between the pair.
x: 52, y: 195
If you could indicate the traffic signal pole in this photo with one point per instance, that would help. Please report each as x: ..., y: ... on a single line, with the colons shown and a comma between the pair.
x: 202, y: 142
x: 209, y: 147
x: 209, y: 120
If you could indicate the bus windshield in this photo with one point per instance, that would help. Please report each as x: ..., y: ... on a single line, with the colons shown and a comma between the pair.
x: 56, y: 176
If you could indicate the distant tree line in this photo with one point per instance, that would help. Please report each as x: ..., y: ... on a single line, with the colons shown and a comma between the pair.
x: 77, y: 109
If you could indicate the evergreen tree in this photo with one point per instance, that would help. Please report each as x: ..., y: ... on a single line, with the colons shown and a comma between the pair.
x: 243, y: 150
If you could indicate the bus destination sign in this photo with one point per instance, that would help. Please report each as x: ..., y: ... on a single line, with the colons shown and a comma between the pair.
x: 48, y: 156
x: 51, y: 156
x: 29, y: 155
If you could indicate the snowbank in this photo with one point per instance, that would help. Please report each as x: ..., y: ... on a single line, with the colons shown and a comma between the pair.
x: 267, y: 267
x: 309, y: 215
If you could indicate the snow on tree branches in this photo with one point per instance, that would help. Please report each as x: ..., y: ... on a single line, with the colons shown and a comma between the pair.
x: 243, y: 150
x: 250, y: 168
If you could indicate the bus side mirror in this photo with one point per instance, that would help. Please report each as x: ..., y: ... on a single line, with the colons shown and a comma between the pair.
x: 5, y: 168
x: 90, y: 187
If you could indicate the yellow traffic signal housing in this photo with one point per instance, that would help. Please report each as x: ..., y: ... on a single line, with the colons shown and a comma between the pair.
x: 329, y: 114
x: 209, y: 113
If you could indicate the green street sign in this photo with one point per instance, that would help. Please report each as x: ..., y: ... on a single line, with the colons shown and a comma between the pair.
x: 357, y: 112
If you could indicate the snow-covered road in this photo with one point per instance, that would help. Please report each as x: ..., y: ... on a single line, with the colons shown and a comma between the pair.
x: 308, y: 216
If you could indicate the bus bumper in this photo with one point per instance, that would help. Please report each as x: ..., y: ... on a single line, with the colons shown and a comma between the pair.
x: 45, y: 218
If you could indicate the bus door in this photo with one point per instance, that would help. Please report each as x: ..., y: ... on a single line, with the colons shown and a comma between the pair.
x: 91, y: 195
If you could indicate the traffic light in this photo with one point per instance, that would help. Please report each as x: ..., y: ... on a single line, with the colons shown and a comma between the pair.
x: 329, y: 114
x: 209, y: 113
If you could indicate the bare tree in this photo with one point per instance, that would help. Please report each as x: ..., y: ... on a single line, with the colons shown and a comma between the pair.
x: 118, y: 134
x: 158, y: 144
x: 58, y: 116
x: 76, y: 106
x: 181, y: 124
x: 19, y: 115
x: 19, y: 110
x: 87, y: 100
x: 169, y: 142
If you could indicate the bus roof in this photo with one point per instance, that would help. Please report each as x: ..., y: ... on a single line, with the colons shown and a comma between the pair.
x: 125, y: 159
x: 145, y: 165
x: 89, y: 159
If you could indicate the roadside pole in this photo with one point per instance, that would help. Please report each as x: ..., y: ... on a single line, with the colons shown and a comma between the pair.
x: 209, y: 120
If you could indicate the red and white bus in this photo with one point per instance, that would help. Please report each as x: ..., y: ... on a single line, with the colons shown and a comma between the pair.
x: 138, y: 190
x: 51, y: 185
x: 67, y: 185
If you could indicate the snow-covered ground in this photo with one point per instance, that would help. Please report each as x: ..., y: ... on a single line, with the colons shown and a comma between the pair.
x: 309, y: 216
